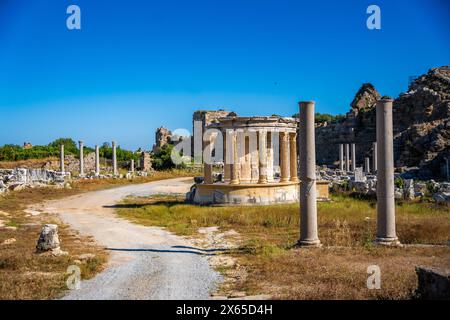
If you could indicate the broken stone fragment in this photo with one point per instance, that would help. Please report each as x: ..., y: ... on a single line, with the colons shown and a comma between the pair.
x: 48, y: 239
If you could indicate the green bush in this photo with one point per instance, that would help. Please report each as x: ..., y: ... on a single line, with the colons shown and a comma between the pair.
x: 162, y: 159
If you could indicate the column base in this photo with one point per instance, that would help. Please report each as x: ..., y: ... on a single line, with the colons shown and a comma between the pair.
x: 388, y: 242
x: 234, y: 182
x: 309, y: 243
x: 284, y: 180
x: 294, y: 180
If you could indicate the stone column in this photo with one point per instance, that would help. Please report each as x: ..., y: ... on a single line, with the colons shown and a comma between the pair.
x: 270, y: 159
x: 61, y: 158
x: 447, y: 169
x: 262, y: 147
x: 386, y: 234
x: 207, y: 162
x: 374, y: 158
x: 244, y: 157
x: 114, y: 158
x: 97, y: 161
x: 293, y: 156
x: 367, y: 165
x: 341, y: 157
x: 81, y: 146
x: 353, y: 157
x: 284, y: 156
x: 235, y: 165
x: 132, y: 165
x: 347, y: 157
x: 308, y: 204
x: 226, y: 158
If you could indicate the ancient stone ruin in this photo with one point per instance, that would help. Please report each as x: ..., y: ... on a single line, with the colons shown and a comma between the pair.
x: 258, y: 162
x: 421, y: 119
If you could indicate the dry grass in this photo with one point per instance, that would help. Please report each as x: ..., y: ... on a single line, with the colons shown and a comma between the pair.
x: 336, y: 271
x: 27, y: 275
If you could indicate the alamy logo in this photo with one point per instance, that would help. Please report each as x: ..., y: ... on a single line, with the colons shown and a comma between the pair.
x: 374, y: 279
x: 73, y: 281
x: 73, y: 22
x: 374, y: 20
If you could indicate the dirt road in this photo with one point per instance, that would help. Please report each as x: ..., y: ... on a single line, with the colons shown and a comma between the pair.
x: 145, y: 262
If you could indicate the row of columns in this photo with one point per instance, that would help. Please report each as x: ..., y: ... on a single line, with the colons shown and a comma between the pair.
x: 97, y: 159
x: 240, y: 169
x: 386, y: 233
x: 344, y: 162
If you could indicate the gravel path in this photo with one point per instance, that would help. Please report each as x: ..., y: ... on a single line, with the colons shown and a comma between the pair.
x: 145, y: 262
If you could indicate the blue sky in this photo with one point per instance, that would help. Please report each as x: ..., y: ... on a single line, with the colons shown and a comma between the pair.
x: 138, y: 64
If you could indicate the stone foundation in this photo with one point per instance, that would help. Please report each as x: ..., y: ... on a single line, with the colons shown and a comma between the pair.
x: 251, y: 194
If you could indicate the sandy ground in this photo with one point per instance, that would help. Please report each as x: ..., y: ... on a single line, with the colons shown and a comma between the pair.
x: 145, y: 262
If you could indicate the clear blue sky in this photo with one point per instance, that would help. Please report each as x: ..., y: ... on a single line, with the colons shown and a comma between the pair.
x: 139, y: 64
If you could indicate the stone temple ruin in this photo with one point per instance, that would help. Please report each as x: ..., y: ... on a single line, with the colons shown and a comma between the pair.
x: 259, y: 163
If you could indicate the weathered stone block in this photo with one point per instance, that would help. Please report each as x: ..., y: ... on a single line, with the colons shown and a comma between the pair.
x: 433, y: 283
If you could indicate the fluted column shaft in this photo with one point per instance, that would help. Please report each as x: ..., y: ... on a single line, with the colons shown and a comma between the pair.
x: 293, y: 156
x: 262, y: 151
x: 235, y: 164
x: 284, y: 156
x: 341, y: 157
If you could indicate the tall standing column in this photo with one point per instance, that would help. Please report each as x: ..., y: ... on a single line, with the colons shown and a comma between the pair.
x: 347, y: 157
x: 374, y: 158
x: 226, y: 157
x: 293, y: 156
x: 284, y: 156
x: 270, y: 159
x: 132, y: 165
x: 367, y: 165
x: 447, y: 169
x: 207, y: 161
x: 114, y: 158
x: 341, y: 157
x: 97, y: 161
x: 61, y: 158
x: 235, y: 164
x: 308, y: 204
x: 386, y: 234
x: 353, y: 157
x: 262, y: 147
x: 81, y: 146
